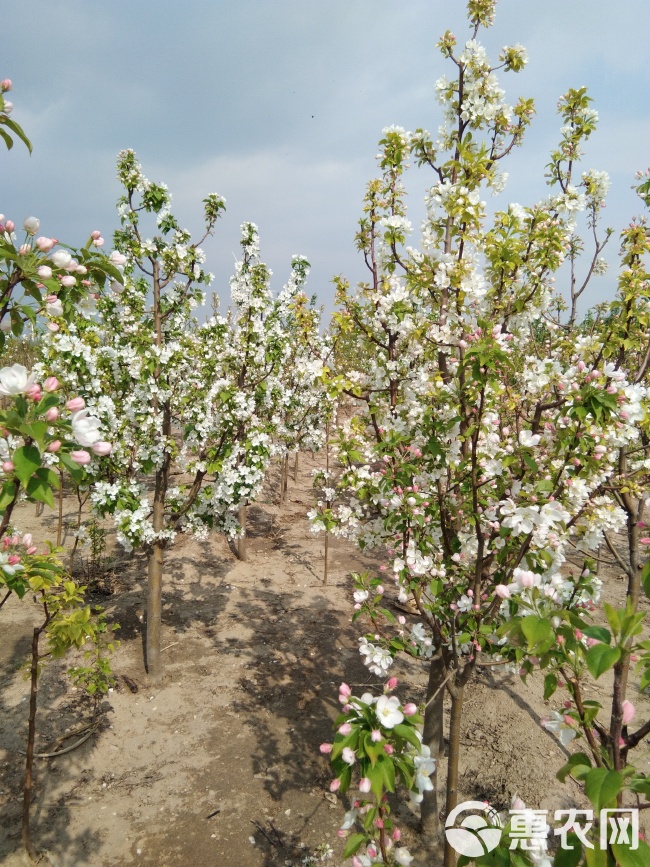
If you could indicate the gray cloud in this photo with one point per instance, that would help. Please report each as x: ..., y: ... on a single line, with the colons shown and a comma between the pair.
x: 278, y: 106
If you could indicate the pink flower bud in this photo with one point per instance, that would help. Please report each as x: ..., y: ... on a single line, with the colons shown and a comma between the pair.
x: 364, y: 785
x: 45, y: 244
x: 325, y: 749
x: 52, y: 414
x: 345, y: 690
x: 397, y: 835
x: 54, y: 446
x: 33, y: 389
x: 44, y: 272
x: 32, y: 549
x: 27, y: 540
x: 81, y: 457
x: 389, y: 749
x: 10, y: 226
x: 98, y: 242
x: 13, y: 559
x: 391, y: 683
x: 409, y: 709
x: 645, y: 540
x: 51, y: 384
x: 345, y: 729
x: 102, y: 449
x: 68, y: 280
x: 96, y: 235
x: 628, y: 712
x: 52, y: 326
x: 75, y: 404
x: 335, y: 785
x: 6, y: 85
x: 376, y: 736
x: 8, y: 467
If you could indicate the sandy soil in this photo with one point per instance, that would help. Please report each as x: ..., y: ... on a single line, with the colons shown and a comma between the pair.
x: 219, y: 766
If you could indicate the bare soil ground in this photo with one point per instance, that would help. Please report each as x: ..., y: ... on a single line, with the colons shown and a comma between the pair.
x: 220, y: 766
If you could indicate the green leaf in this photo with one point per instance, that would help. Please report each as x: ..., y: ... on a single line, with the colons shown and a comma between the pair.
x: 375, y: 774
x: 537, y: 631
x: 354, y: 843
x: 572, y: 855
x: 613, y: 617
x: 7, y: 494
x: 39, y: 490
x: 576, y: 763
x: 408, y: 734
x: 388, y: 771
x: 626, y: 857
x: 598, y: 632
x: 550, y: 685
x: 7, y: 139
x: 75, y: 470
x: 601, y: 658
x: 598, y: 858
x: 27, y: 459
x: 18, y: 130
x: 602, y: 787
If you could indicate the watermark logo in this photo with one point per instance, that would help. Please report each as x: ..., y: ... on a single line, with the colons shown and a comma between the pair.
x: 481, y: 830
x: 477, y: 834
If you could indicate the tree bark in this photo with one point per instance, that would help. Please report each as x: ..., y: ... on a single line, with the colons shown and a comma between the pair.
x: 432, y: 736
x: 240, y: 548
x: 31, y: 737
x: 154, y: 587
x: 457, y: 692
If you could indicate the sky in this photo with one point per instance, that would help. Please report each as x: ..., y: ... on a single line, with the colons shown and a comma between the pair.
x: 278, y: 106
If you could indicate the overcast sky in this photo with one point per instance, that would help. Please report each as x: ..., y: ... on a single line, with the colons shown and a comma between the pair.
x: 278, y: 106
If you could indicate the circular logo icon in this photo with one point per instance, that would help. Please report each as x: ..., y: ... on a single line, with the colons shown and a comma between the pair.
x: 476, y: 835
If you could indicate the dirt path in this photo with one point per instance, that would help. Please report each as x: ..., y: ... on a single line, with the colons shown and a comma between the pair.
x: 219, y: 767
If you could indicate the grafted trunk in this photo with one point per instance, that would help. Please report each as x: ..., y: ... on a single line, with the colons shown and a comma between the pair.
x: 154, y: 584
x: 453, y: 760
x: 432, y: 736
x: 240, y: 548
x: 31, y: 737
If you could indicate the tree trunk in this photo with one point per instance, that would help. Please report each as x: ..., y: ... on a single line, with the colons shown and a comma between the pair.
x: 432, y: 736
x: 240, y: 548
x: 295, y: 468
x: 154, y: 588
x: 327, y: 546
x: 31, y: 737
x: 154, y: 612
x: 284, y: 478
x: 457, y: 692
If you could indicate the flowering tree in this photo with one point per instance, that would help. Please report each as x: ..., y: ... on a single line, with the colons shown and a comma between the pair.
x: 204, y: 400
x: 488, y: 431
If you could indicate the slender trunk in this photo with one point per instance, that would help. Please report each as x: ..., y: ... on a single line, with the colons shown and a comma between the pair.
x: 31, y: 737
x: 240, y: 549
x: 154, y: 589
x: 59, y: 526
x: 432, y: 737
x: 295, y: 467
x: 327, y: 545
x: 453, y: 761
x: 285, y: 477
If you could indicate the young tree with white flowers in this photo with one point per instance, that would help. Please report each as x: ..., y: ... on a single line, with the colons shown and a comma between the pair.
x: 200, y: 399
x: 486, y: 450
